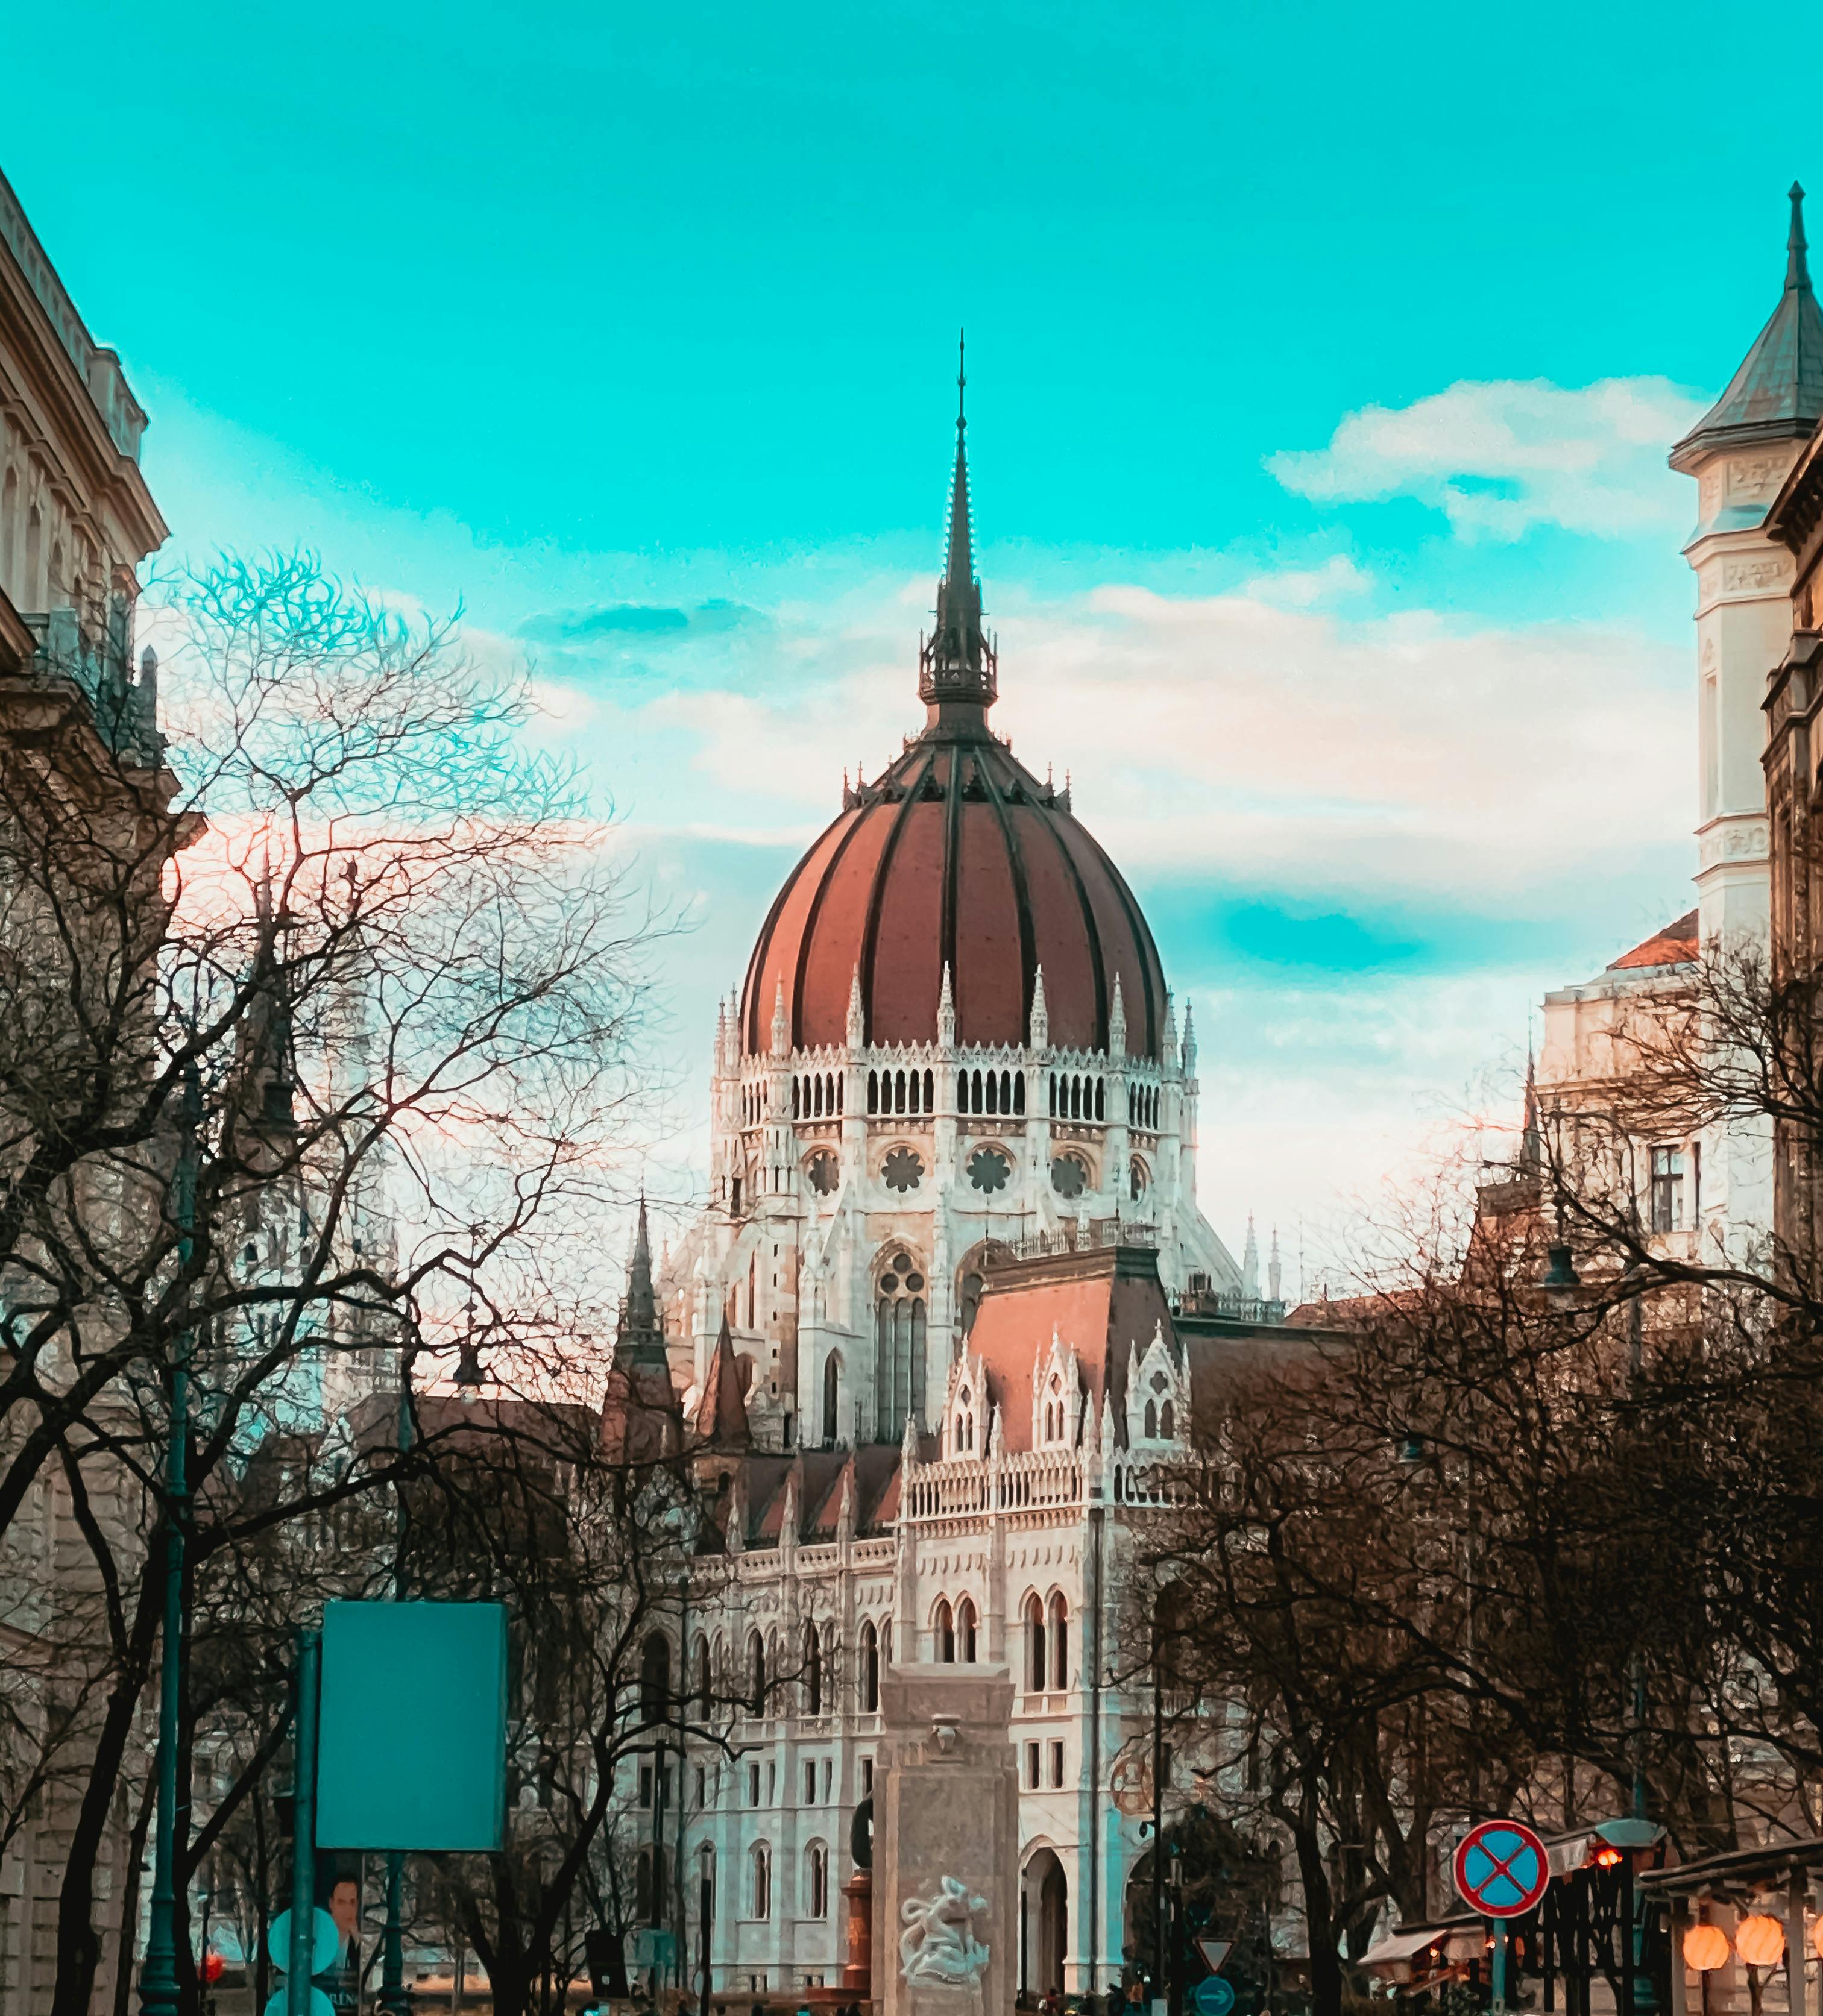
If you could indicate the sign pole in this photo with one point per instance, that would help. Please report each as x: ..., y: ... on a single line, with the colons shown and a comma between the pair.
x: 1497, y: 2002
x: 297, y: 1983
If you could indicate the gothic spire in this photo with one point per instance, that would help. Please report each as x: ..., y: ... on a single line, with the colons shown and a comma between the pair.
x: 956, y: 663
x: 638, y: 1337
x: 1777, y: 393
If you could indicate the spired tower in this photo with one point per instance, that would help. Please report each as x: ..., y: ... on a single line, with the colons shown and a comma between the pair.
x: 954, y: 1033
x: 1740, y: 453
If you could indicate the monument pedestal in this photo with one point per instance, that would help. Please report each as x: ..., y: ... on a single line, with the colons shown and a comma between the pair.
x: 857, y: 1975
x: 945, y: 1843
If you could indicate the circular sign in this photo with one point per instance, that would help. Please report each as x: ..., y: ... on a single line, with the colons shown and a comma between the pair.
x: 325, y: 1947
x: 280, y: 2004
x: 1502, y: 1869
x: 1213, y: 1997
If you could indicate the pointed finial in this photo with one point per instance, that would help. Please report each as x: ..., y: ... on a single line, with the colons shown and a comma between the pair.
x: 946, y: 1012
x: 856, y: 1030
x: 1117, y: 1022
x: 1797, y: 271
x: 781, y: 1028
x: 1039, y: 1033
x: 962, y: 377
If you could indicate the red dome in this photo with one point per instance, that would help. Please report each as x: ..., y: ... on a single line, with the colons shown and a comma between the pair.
x: 957, y: 855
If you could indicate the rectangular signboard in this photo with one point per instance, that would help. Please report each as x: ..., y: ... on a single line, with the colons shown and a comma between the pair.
x: 411, y: 1735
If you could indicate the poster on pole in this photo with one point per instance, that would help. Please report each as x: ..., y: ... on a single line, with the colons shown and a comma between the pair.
x: 412, y: 1731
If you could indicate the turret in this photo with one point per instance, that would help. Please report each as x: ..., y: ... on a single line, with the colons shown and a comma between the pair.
x: 1740, y: 453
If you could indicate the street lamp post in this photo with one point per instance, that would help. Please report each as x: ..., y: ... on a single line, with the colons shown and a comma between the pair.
x: 394, y: 2000
x: 158, y: 1977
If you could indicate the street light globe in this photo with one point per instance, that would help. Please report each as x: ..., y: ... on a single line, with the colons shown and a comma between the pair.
x: 1705, y: 1948
x: 1760, y: 1940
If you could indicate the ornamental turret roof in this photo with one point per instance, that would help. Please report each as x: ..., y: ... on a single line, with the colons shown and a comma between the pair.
x: 1777, y: 393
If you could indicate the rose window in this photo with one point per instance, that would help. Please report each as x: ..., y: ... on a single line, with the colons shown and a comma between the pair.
x: 825, y: 1172
x: 1068, y: 1178
x: 902, y: 1170
x: 989, y: 1169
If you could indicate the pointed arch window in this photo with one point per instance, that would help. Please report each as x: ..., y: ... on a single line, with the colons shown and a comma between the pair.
x: 654, y: 1678
x: 1035, y: 1647
x: 756, y: 1672
x: 1059, y: 1647
x: 812, y: 1671
x: 943, y: 1632
x: 965, y: 1632
x: 760, y: 1879
x: 832, y: 1377
x: 898, y: 1345
x: 869, y: 1670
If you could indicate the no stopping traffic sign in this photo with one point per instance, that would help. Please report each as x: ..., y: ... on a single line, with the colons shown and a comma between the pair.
x: 1501, y: 1868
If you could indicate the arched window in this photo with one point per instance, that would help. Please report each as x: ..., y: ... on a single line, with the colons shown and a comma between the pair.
x: 700, y: 1660
x: 1059, y: 1648
x: 1101, y: 1099
x: 645, y: 1889
x: 898, y: 1345
x: 898, y: 1092
x: 962, y: 1091
x: 812, y: 1671
x: 1151, y: 1420
x: 917, y: 1087
x: 760, y: 1880
x: 993, y: 1088
x: 886, y: 1642
x: 930, y: 1092
x: 1035, y: 1661
x: 756, y: 1672
x: 943, y: 1631
x: 655, y: 1678
x: 869, y: 1670
x: 873, y: 1092
x: 1019, y: 1093
x: 1054, y: 1095
x: 832, y: 1376
x: 1075, y: 1099
x: 816, y: 1880
x: 1166, y: 1427
x: 796, y: 1084
x: 977, y: 1107
x: 965, y: 1632
x: 962, y: 1427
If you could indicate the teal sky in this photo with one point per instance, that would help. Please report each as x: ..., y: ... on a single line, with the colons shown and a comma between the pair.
x: 633, y: 328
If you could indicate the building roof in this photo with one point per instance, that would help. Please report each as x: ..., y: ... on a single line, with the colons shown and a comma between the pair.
x: 1777, y: 394
x: 1103, y: 1302
x: 1677, y: 944
x: 955, y: 864
x: 721, y: 1420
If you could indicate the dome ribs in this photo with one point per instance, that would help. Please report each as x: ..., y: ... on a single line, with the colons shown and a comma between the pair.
x: 807, y: 937
x: 951, y: 856
x: 1021, y: 902
x: 876, y: 899
x: 1097, y: 964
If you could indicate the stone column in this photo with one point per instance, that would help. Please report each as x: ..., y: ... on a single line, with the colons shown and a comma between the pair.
x: 946, y: 1843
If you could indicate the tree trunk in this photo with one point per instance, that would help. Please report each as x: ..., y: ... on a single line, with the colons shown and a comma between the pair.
x: 1325, y: 1962
x: 78, y: 1944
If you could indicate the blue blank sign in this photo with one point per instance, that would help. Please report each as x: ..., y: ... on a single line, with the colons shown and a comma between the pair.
x: 411, y: 1736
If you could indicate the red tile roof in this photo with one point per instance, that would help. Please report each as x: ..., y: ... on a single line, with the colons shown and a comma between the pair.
x: 1677, y: 944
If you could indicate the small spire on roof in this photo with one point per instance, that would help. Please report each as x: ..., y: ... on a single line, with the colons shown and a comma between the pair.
x: 1797, y: 271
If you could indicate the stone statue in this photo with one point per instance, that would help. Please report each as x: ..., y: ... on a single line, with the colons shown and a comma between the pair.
x: 938, y: 1947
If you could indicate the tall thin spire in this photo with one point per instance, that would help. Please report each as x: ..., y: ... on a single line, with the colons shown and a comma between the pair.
x: 959, y: 561
x: 1797, y: 271
x: 955, y: 663
x: 639, y: 1336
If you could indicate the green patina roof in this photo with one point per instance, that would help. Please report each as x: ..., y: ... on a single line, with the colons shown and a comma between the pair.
x: 1777, y: 392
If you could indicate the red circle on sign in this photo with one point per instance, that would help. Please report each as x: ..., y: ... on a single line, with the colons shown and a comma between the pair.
x: 1502, y: 1869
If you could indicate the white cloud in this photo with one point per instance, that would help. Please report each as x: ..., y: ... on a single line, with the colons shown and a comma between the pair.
x: 1501, y: 456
